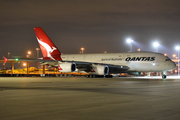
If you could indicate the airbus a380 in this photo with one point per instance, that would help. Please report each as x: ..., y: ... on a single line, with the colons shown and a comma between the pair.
x: 104, y: 63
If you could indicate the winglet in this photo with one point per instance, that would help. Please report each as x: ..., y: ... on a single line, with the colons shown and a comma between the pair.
x: 5, y: 60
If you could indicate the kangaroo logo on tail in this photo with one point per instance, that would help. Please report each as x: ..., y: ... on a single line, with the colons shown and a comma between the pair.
x: 48, y: 49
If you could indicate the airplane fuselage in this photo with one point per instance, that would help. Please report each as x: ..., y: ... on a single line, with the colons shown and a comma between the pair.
x: 136, y: 61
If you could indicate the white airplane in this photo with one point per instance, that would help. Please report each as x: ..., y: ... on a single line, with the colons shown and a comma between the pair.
x: 100, y: 64
x: 133, y: 63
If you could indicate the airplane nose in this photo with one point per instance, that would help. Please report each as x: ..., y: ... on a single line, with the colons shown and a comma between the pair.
x: 173, y: 65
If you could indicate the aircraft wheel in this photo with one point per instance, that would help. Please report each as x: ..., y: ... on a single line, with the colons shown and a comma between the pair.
x: 164, y: 76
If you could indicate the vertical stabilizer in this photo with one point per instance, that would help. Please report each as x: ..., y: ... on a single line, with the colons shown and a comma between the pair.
x: 48, y: 49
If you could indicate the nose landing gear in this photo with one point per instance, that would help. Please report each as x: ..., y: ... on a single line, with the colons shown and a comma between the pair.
x: 163, y: 76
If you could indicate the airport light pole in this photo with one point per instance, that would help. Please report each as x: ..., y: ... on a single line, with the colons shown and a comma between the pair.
x: 8, y: 54
x: 130, y: 41
x: 37, y: 49
x: 8, y: 58
x: 156, y: 45
x: 28, y: 54
x: 82, y: 49
x: 177, y: 48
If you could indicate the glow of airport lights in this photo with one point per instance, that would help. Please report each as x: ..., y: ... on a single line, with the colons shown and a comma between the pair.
x: 37, y: 49
x: 177, y: 48
x: 165, y: 54
x: 24, y: 64
x: 174, y: 55
x: 138, y: 49
x: 129, y: 41
x: 29, y: 52
x: 82, y: 49
x: 156, y: 45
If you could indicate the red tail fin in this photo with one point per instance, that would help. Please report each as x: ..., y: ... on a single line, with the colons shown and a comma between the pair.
x: 48, y: 49
x: 5, y: 60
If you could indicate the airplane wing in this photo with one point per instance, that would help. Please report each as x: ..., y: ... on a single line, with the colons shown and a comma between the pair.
x: 78, y: 66
x: 42, y: 62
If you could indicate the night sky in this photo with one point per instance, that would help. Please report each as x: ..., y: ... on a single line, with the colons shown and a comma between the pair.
x: 96, y: 25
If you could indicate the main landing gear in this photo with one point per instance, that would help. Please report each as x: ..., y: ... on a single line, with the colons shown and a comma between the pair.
x: 99, y: 76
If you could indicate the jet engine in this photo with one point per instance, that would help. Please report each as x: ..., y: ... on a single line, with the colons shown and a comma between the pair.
x: 100, y: 70
x: 67, y: 67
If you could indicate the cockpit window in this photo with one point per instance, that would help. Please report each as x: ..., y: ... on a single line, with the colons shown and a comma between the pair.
x: 168, y: 59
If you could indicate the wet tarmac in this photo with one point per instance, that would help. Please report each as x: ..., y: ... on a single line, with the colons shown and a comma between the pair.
x: 35, y: 98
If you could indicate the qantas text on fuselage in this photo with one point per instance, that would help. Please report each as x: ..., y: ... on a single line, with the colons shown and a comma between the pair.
x: 140, y: 59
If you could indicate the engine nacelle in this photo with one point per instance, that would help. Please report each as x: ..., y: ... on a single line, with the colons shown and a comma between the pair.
x: 100, y: 70
x: 67, y: 67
